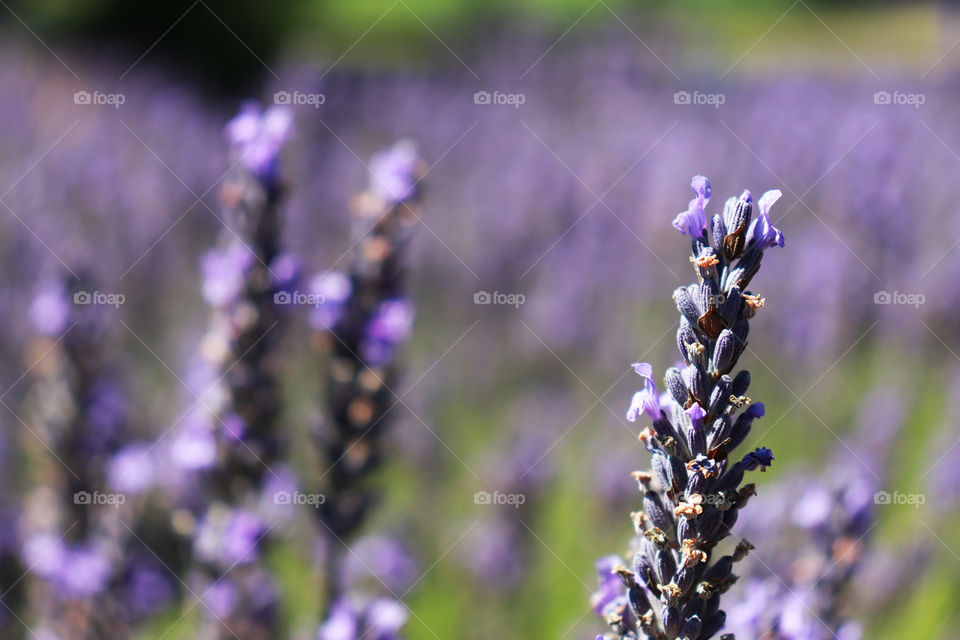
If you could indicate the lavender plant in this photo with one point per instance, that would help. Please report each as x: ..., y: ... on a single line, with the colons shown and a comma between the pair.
x: 234, y: 437
x: 693, y: 493
x: 72, y: 527
x: 364, y: 318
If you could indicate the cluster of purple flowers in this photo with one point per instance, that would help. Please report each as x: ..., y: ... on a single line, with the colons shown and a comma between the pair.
x: 692, y: 496
x: 361, y: 318
x: 78, y: 525
x: 232, y: 436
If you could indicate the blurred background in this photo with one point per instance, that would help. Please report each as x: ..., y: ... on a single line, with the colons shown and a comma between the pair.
x: 560, y: 138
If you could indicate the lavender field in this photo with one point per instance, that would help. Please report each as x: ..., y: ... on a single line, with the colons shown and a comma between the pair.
x: 432, y: 320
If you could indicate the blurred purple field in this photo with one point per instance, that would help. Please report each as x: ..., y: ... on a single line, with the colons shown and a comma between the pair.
x: 344, y: 352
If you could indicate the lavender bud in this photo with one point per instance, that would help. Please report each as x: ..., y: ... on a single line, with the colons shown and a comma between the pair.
x: 678, y: 474
x: 696, y: 438
x: 743, y: 273
x: 737, y: 219
x: 696, y: 380
x: 638, y: 600
x: 741, y: 383
x: 662, y: 471
x: 709, y: 523
x: 698, y: 355
x: 724, y: 352
x: 686, y: 307
x: 666, y: 565
x: 719, y: 233
x: 678, y: 389
x: 684, y: 578
x: 672, y: 621
x: 720, y: 397
x: 691, y: 628
x: 713, y: 624
x: 686, y: 529
x: 654, y: 509
x: 732, y: 305
x: 643, y: 567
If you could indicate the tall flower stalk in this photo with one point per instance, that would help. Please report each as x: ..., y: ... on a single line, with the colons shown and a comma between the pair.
x: 72, y: 525
x: 234, y: 438
x: 364, y: 317
x: 693, y: 492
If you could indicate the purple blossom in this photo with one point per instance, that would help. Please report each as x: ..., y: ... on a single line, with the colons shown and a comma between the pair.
x: 228, y: 537
x: 50, y: 311
x: 224, y: 273
x: 393, y: 172
x: 333, y: 290
x: 389, y: 327
x: 761, y: 457
x: 611, y: 588
x: 258, y: 138
x: 648, y: 398
x: 356, y: 619
x: 762, y: 234
x: 693, y: 221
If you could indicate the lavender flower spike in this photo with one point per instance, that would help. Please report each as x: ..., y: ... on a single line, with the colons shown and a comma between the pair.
x: 692, y: 495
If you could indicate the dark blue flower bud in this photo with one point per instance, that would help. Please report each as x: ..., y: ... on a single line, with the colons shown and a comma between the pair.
x: 662, y: 471
x: 743, y: 273
x: 686, y: 334
x: 732, y: 307
x: 691, y: 628
x: 666, y: 565
x: 686, y: 529
x: 685, y: 305
x: 741, y: 382
x: 638, y: 600
x: 719, y: 397
x: 678, y: 389
x: 684, y: 579
x: 741, y: 428
x: 718, y: 234
x: 736, y: 217
x: 696, y: 381
x: 643, y: 567
x: 672, y: 621
x: 713, y: 624
x: 654, y: 509
x: 724, y: 352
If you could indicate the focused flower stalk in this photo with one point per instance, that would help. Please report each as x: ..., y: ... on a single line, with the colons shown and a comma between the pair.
x: 692, y: 494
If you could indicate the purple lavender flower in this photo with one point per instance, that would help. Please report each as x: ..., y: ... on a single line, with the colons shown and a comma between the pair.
x: 693, y: 221
x: 359, y: 619
x: 258, y: 137
x: 692, y: 495
x: 647, y: 399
